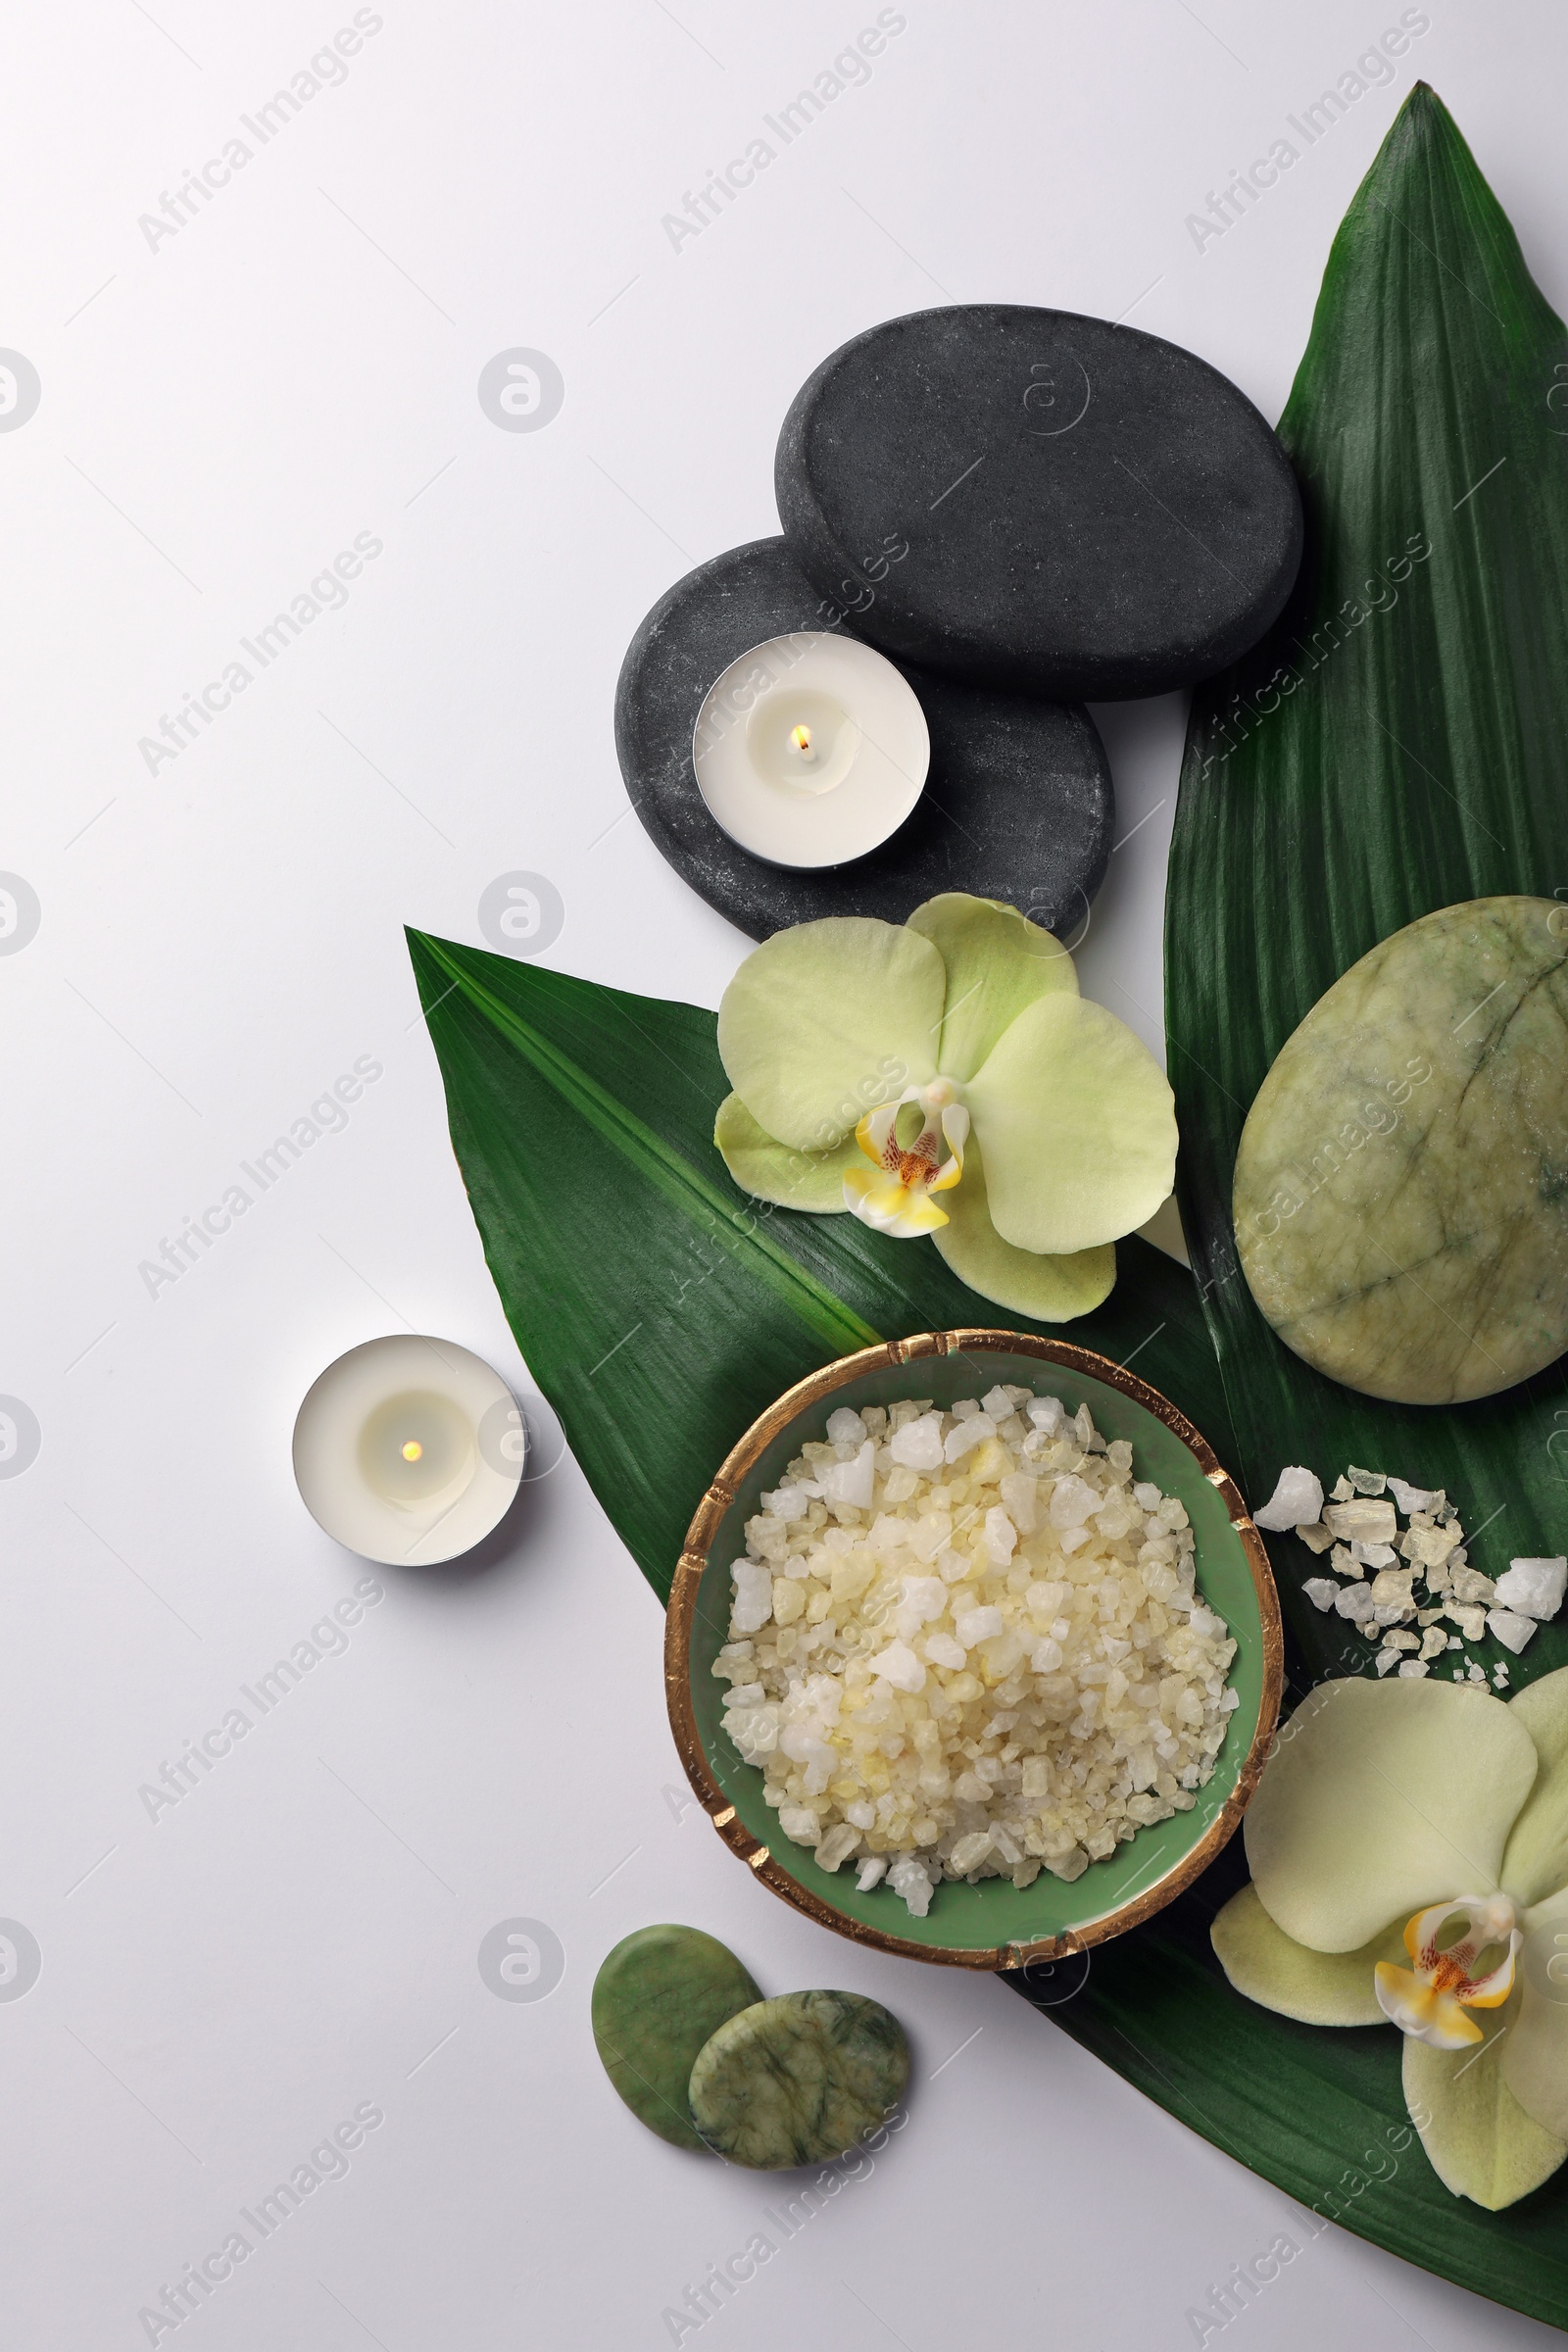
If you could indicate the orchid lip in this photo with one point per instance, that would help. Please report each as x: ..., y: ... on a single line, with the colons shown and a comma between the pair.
x: 1430, y: 2001
x: 893, y: 1195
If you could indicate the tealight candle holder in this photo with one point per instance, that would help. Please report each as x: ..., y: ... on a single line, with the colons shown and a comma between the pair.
x: 409, y: 1451
x: 811, y: 750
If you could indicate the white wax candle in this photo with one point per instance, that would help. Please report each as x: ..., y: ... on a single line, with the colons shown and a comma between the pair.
x: 409, y: 1451
x: 811, y: 750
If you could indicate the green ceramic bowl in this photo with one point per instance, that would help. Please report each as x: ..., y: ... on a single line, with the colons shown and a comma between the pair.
x: 992, y: 1925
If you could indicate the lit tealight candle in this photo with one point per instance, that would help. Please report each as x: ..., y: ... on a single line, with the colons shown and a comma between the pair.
x: 811, y: 750
x: 409, y: 1451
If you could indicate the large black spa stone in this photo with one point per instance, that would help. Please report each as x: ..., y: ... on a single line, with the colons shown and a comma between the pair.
x: 1039, y: 500
x: 1018, y: 805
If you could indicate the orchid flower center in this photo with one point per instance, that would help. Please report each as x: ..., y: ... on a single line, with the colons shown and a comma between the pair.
x: 916, y: 1148
x: 1463, y: 1954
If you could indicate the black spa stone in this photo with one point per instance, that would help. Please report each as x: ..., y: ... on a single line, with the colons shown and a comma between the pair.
x: 1018, y: 805
x: 1039, y: 500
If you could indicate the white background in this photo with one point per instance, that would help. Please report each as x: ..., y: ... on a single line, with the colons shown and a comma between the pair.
x: 220, y: 414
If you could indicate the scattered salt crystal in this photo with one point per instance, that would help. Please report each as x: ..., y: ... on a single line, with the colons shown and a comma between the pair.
x: 873, y: 1870
x: 1512, y: 1629
x: 1297, y: 1498
x: 1384, y: 1659
x: 1355, y: 1602
x: 1413, y: 1498
x: 1412, y: 1669
x: 1322, y: 1592
x: 846, y: 1428
x: 1534, y: 1587
x: 1366, y: 1482
x: 1360, y: 1521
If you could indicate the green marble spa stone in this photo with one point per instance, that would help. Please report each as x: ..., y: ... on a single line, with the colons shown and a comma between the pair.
x: 655, y: 2001
x: 800, y: 2080
x: 1401, y: 1187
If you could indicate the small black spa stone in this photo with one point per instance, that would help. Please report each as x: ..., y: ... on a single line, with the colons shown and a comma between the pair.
x: 1039, y: 500
x: 1018, y: 806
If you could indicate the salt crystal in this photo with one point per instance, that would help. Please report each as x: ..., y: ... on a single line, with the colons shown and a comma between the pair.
x: 998, y: 1403
x: 1512, y: 1631
x: 1413, y: 1498
x: 1412, y: 1669
x: 873, y: 1870
x: 1072, y: 1499
x: 1322, y: 1592
x: 1365, y: 1481
x: 1297, y: 1499
x: 1001, y: 1538
x: 899, y: 1665
x: 1046, y: 1414
x: 846, y: 1428
x: 918, y: 1443
x: 1534, y: 1587
x: 967, y: 1435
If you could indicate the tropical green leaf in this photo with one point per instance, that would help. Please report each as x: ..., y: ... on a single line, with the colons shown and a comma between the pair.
x: 1395, y: 745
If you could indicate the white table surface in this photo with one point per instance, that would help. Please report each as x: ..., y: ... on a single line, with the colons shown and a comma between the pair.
x: 223, y: 410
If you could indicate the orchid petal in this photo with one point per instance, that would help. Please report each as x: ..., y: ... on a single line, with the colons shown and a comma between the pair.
x: 824, y: 1020
x: 1482, y: 2142
x: 1049, y: 1290
x: 1383, y: 1797
x: 812, y: 1181
x: 1535, y: 1861
x: 1534, y: 2063
x: 1321, y: 1988
x: 996, y: 962
x: 1078, y: 1127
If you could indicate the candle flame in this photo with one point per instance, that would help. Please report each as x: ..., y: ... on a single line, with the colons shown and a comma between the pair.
x: 413, y: 1450
x: 800, y: 737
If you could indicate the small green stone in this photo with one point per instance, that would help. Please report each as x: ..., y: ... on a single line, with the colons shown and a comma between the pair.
x: 1401, y: 1186
x: 800, y: 2080
x: 657, y: 1998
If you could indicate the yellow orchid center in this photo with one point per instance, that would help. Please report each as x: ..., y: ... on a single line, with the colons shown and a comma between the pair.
x: 894, y: 1194
x: 1429, y: 2000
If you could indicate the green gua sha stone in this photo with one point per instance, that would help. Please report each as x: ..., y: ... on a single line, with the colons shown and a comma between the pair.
x: 800, y: 2080
x: 1401, y: 1187
x: 657, y: 1998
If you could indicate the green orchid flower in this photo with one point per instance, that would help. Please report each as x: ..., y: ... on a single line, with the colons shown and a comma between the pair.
x: 1409, y: 1844
x: 944, y: 1077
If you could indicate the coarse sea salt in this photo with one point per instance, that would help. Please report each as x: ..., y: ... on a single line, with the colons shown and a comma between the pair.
x: 978, y: 1650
